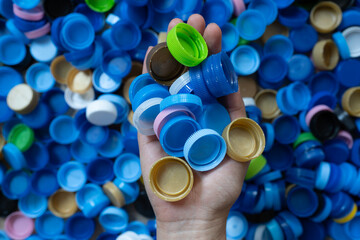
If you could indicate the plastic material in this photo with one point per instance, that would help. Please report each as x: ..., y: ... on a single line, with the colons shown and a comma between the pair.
x: 72, y: 176
x: 245, y: 59
x: 251, y: 24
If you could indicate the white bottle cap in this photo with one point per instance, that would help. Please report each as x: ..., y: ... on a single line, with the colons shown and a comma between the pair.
x: 78, y: 101
x: 22, y: 99
x: 101, y: 112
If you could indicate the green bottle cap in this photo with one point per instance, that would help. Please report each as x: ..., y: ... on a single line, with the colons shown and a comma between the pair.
x: 21, y: 136
x: 256, y: 165
x: 304, y: 137
x: 100, y: 5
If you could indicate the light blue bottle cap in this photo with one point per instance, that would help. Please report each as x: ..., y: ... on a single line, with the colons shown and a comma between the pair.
x: 281, y: 45
x: 72, y: 176
x: 324, y: 81
x: 274, y: 229
x: 39, y: 77
x: 350, y: 18
x: 293, y: 222
x: 230, y: 37
x: 303, y: 38
x: 97, y: 19
x: 10, y: 26
x: 116, y: 64
x: 26, y: 4
x: 113, y: 146
x: 37, y: 156
x: 346, y: 72
x: 204, y: 150
x: 126, y: 10
x: 348, y: 171
x: 342, y: 45
x: 6, y: 112
x: 280, y: 156
x: 211, y: 11
x: 63, y: 130
x: 44, y: 182
x: 269, y: 132
x: 300, y: 68
x: 355, y: 189
x: 303, y: 202
x: 83, y: 152
x: 103, y: 83
x: 148, y: 92
x: 6, y: 8
x: 287, y: 129
x: 79, y: 227
x: 190, y: 101
x: 91, y: 200
x: 126, y: 34
x: 16, y: 184
x: 138, y: 83
x: 130, y: 190
x: 245, y: 59
x: 127, y: 167
x: 93, y: 135
x: 137, y: 227
x: 54, y: 99
x: 33, y: 205
x: 114, y: 220
x: 43, y: 49
x: 59, y: 154
x: 13, y: 156
x: 293, y: 17
x: 13, y: 50
x: 273, y: 69
x: 215, y: 117
x: 148, y: 38
x: 9, y: 79
x: 298, y: 95
x: 236, y: 225
x: 251, y: 24
x: 100, y: 170
x: 120, y: 104
x: 269, y: 9
x: 351, y: 230
x: 283, y: 3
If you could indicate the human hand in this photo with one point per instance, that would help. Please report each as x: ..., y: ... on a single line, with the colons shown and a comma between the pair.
x: 203, y: 213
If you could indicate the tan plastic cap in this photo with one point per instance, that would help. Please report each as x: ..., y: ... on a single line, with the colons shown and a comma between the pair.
x: 62, y: 204
x: 325, y: 16
x: 162, y: 37
x: 60, y: 68
x: 79, y: 81
x: 126, y: 87
x: 22, y: 99
x: 171, y: 179
x: 245, y: 139
x: 274, y: 29
x: 130, y: 117
x: 351, y: 101
x: 325, y: 55
x: 114, y: 194
x: 248, y: 87
x: 266, y: 101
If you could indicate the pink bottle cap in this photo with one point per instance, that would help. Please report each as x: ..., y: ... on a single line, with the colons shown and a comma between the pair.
x: 168, y: 113
x: 239, y: 6
x: 314, y: 111
x: 346, y: 137
x: 34, y: 14
x: 18, y: 226
x: 38, y: 32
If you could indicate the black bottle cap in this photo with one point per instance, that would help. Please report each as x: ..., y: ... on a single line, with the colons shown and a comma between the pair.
x: 7, y: 206
x: 58, y: 8
x: 143, y: 206
x: 347, y: 122
x: 343, y: 4
x: 263, y: 217
x: 325, y: 125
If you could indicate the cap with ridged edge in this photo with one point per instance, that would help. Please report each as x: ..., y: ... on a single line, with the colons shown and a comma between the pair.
x: 21, y: 136
x: 325, y: 16
x: 349, y: 100
x: 114, y: 194
x: 100, y: 6
x: 256, y: 165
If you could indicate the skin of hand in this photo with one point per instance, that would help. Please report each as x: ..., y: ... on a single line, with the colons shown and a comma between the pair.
x: 203, y: 213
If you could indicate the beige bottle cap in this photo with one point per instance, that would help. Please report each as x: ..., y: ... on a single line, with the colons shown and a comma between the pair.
x: 79, y: 81
x: 171, y: 179
x: 125, y: 88
x: 130, y: 117
x: 114, y: 194
x: 22, y: 99
x: 274, y: 29
x: 351, y: 101
x: 62, y: 203
x: 245, y: 139
x: 60, y: 68
x: 247, y: 86
x: 325, y: 55
x: 266, y: 101
x: 325, y: 16
x: 162, y: 37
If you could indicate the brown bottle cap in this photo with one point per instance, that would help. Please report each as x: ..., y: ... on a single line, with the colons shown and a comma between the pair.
x: 171, y: 179
x: 136, y: 69
x: 325, y: 55
x: 60, y: 68
x: 266, y: 101
x: 62, y: 203
x: 79, y: 81
x: 247, y: 86
x: 274, y: 29
x: 126, y: 87
x: 325, y: 16
x: 162, y: 66
x: 162, y: 37
x: 114, y: 194
x: 22, y: 99
x: 351, y: 101
x: 245, y: 139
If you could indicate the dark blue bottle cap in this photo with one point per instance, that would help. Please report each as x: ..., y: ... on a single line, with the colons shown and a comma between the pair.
x: 298, y: 96
x: 72, y: 176
x: 63, y: 130
x: 13, y: 50
x: 303, y: 38
x: 281, y: 4
x: 351, y: 230
x: 245, y: 59
x: 350, y: 18
x: 79, y: 227
x: 335, y: 181
x: 59, y: 154
x: 199, y: 85
x: 342, y: 204
x: 280, y: 45
x: 269, y: 9
x: 10, y: 26
x: 287, y: 129
x: 61, y: 237
x: 253, y: 113
x: 49, y: 226
x: 107, y: 236
x: 269, y: 132
x: 148, y: 38
x: 347, y: 72
x: 38, y: 118
x: 312, y: 230
x: 9, y: 79
x: 230, y: 37
x: 251, y: 24
x: 158, y: 21
x: 280, y: 156
x: 130, y: 142
x: 324, y: 209
x: 214, y: 116
x: 336, y: 151
x: 127, y: 167
x: 37, y: 156
x: 78, y: 55
x: 91, y: 62
x: 162, y: 6
x: 114, y: 220
x: 6, y: 9
x: 93, y: 135
x: 293, y: 222
x: 126, y: 35
x: 28, y: 26
x: 13, y: 156
x: 285, y: 227
x: 211, y: 9
x: 342, y: 45
x: 16, y: 184
x: 303, y: 202
x: 54, y: 99
x: 129, y: 190
x: 307, y: 156
x: 116, y: 63
x: 184, y: 9
x: 100, y: 170
x: 323, y: 98
x: 136, y: 14
x: 273, y: 69
x: 324, y: 81
x: 355, y: 153
x: 293, y: 16
x: 268, y: 177
x: 91, y: 200
x: 137, y: 227
x: 97, y: 19
x: 301, y: 176
x: 249, y: 198
x: 300, y: 68
x: 236, y: 225
x: 33, y: 205
x: 44, y: 182
x: 260, y: 204
x: 6, y: 112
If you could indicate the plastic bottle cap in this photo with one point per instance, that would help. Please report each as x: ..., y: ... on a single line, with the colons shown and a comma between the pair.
x: 279, y: 44
x: 350, y: 228
x: 144, y: 116
x: 100, y: 170
x: 269, y: 9
x: 245, y: 59
x: 127, y: 167
x: 304, y: 38
x: 13, y: 156
x: 300, y: 68
x: 352, y: 36
x: 114, y: 194
x: 348, y: 217
x: 101, y: 112
x: 325, y: 16
x: 62, y: 203
x: 245, y: 139
x: 303, y: 202
x: 126, y: 34
x: 256, y: 165
x: 113, y: 219
x: 190, y: 101
x: 22, y: 137
x: 78, y: 101
x: 49, y: 226
x: 22, y: 99
x: 63, y: 130
x: 43, y: 49
x: 16, y: 184
x: 325, y: 55
x: 105, y: 84
x: 37, y: 156
x: 236, y: 225
x: 280, y: 156
x: 287, y: 129
x: 314, y: 111
x: 12, y: 50
x: 72, y: 176
x: 39, y: 77
x: 79, y: 81
x: 214, y: 116
x: 324, y: 81
x: 60, y: 69
x: 251, y: 24
x: 273, y: 69
x: 34, y: 14
x: 78, y: 226
x: 44, y: 182
x: 116, y: 63
x: 266, y: 101
x: 187, y: 45
x: 171, y: 179
x: 128, y: 235
x: 293, y: 16
x: 350, y: 100
x: 341, y: 44
x: 102, y: 6
x: 347, y: 73
x: 304, y: 137
x: 113, y: 146
x: 181, y: 85
x: 230, y: 37
x: 247, y: 87
x: 18, y: 226
x: 37, y: 33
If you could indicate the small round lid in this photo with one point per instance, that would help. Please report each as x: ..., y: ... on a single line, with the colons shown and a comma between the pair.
x: 138, y: 83
x: 60, y: 69
x: 37, y: 33
x: 34, y: 14
x: 102, y: 6
x: 266, y: 101
x: 39, y: 77
x: 100, y: 171
x: 351, y: 229
x: 245, y: 139
x: 274, y: 29
x: 144, y: 116
x: 16, y: 184
x: 127, y: 167
x: 304, y: 137
x: 37, y: 156
x: 72, y: 176
x: 121, y: 105
x: 350, y: 101
x: 103, y: 83
x: 310, y: 114
x: 114, y: 219
x: 342, y: 45
x: 324, y: 82
x: 171, y: 179
x: 269, y: 9
x: 190, y: 101
x: 301, y: 43
x: 352, y: 37
x: 255, y: 23
x: 114, y: 194
x: 325, y: 55
x: 246, y: 60
x: 273, y: 69
x: 280, y: 156
x: 101, y: 112
x: 306, y: 206
x: 79, y: 227
x: 78, y: 101
x: 18, y: 226
x: 9, y: 79
x: 125, y: 88
x: 236, y: 225
x: 230, y: 37
x: 43, y: 49
x: 350, y: 216
x: 63, y: 130
x: 113, y: 146
x: 79, y: 81
x: 287, y: 129
x: 248, y: 87
x: 62, y: 204
x: 125, y: 34
x: 13, y: 156
x: 256, y: 165
x: 181, y: 84
x: 300, y: 68
x: 324, y: 125
x: 347, y: 73
x: 93, y: 135
x: 325, y: 16
x: 21, y: 136
x: 44, y: 182
x: 214, y: 116
x: 12, y: 50
x: 49, y: 226
x: 293, y: 16
x: 281, y: 45
x: 22, y: 99
x: 116, y: 63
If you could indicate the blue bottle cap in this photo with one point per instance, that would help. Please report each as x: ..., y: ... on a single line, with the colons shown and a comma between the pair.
x: 26, y: 4
x: 114, y: 220
x: 230, y: 37
x: 342, y: 205
x: 280, y: 156
x: 293, y: 222
x: 312, y: 230
x: 214, y: 116
x: 337, y: 231
x: 349, y: 172
x: 39, y: 77
x: 246, y: 60
x: 355, y: 189
x: 342, y: 45
x: 59, y: 154
x: 6, y: 9
x: 107, y: 41
x: 10, y: 26
x: 37, y: 156
x: 334, y: 184
x: 350, y: 18
x: 49, y: 225
x: 210, y: 12
x: 298, y: 95
x: 61, y: 237
x: 8, y: 125
x: 138, y: 83
x: 103, y: 83
x: 287, y: 129
x: 182, y: 85
x: 281, y: 4
x: 148, y: 38
x: 303, y: 38
x: 269, y: 9
x: 28, y: 26
x: 100, y: 170
x: 346, y: 72
x: 273, y: 69
x: 288, y: 232
x: 190, y: 101
x: 43, y: 49
x: 38, y: 118
x: 293, y: 16
x: 6, y: 112
x: 13, y: 51
x: 300, y: 68
x: 249, y: 198
x: 54, y: 99
x: 236, y: 225
x: 93, y: 135
x: 16, y: 184
x: 268, y: 177
x: 336, y: 151
x: 63, y: 130
x: 96, y: 19
x: 107, y: 236
x: 56, y: 33
x: 126, y: 34
x: 116, y: 64
x: 308, y: 155
x: 184, y: 8
x: 126, y: 10
x: 44, y: 182
x: 269, y: 132
x: 121, y: 105
x: 91, y: 200
x: 145, y: 114
x: 199, y: 85
x: 33, y: 205
x: 9, y: 79
x: 80, y: 118
x: 79, y: 227
x: 301, y: 176
x: 324, y: 81
x: 323, y: 98
x: 127, y: 127
x: 130, y: 142
x: 355, y: 153
x: 251, y: 24
x: 113, y: 146
x: 351, y: 230
x: 260, y: 205
x: 91, y: 62
x: 274, y: 229
x: 129, y: 190
x: 303, y: 202
x: 127, y: 167
x: 78, y: 55
x: 324, y: 210
x: 72, y: 176
x: 13, y: 156
x: 34, y: 237
x: 137, y: 227
x: 204, y: 150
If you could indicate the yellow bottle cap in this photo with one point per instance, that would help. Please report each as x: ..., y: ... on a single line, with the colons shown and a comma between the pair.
x: 351, y: 101
x: 248, y: 87
x: 245, y: 139
x: 325, y: 55
x: 325, y: 16
x: 114, y: 194
x: 348, y: 217
x: 22, y: 99
x: 171, y: 179
x: 274, y: 29
x: 266, y: 101
x: 79, y: 81
x: 60, y: 68
x: 62, y: 203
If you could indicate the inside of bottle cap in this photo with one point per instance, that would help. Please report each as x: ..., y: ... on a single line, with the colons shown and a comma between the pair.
x: 266, y: 101
x: 274, y: 29
x: 114, y: 194
x: 125, y: 88
x: 326, y: 16
x: 60, y: 69
x: 354, y: 102
x: 79, y: 81
x: 63, y: 203
x: 247, y: 86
